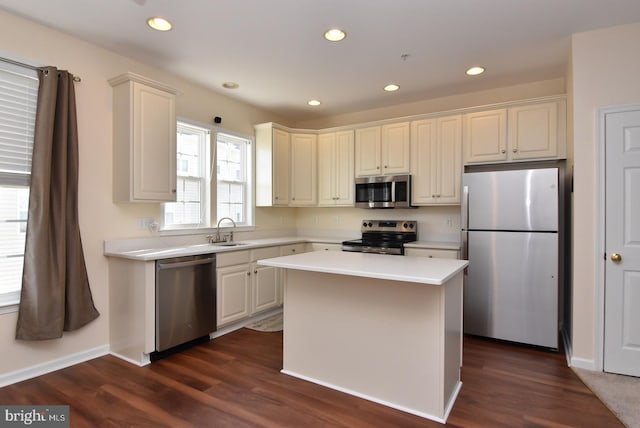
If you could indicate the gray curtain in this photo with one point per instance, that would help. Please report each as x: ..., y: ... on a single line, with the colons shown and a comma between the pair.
x: 55, y: 293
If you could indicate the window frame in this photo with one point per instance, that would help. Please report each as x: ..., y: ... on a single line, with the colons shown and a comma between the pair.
x: 206, y: 185
x: 9, y: 300
x: 249, y: 167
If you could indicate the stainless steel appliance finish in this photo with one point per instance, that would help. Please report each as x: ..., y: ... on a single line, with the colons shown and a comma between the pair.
x: 185, y: 299
x: 510, y: 234
x: 383, y: 237
x: 384, y: 191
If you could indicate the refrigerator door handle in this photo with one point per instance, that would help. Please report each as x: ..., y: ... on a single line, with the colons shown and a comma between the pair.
x: 464, y: 213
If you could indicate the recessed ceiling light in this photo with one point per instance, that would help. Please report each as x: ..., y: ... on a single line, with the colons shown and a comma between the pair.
x: 314, y: 103
x: 230, y: 85
x: 475, y: 70
x: 392, y: 87
x: 159, y: 23
x: 334, y: 34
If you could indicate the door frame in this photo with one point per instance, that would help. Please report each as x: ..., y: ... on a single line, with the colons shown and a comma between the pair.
x: 601, y: 231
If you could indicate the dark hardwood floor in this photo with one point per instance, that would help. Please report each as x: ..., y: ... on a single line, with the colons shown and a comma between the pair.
x: 234, y: 381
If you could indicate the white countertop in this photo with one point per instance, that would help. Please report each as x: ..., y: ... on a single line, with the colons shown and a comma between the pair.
x: 159, y: 252
x: 164, y: 248
x: 381, y: 266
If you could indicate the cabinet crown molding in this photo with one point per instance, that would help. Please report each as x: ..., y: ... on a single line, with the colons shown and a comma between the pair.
x: 133, y: 77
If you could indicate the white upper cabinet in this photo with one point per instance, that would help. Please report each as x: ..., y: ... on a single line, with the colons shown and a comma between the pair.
x: 336, y: 169
x: 383, y: 149
x: 396, y: 143
x: 368, y: 151
x: 526, y: 132
x: 436, y: 160
x: 272, y: 166
x: 485, y: 136
x: 304, y: 170
x: 533, y: 131
x: 144, y: 147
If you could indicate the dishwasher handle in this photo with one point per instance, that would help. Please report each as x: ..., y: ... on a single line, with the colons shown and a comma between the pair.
x: 172, y: 265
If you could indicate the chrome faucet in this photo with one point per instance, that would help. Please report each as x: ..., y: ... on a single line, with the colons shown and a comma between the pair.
x: 230, y: 236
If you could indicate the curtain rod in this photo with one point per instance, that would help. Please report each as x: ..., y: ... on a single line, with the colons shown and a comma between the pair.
x: 21, y: 64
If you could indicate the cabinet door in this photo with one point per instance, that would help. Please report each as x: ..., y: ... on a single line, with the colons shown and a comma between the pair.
x: 449, y: 160
x: 327, y: 169
x: 154, y: 144
x: 344, y: 170
x: 368, y: 151
x: 280, y: 160
x: 303, y: 169
x: 424, y: 156
x: 485, y: 136
x: 233, y: 283
x: 533, y: 131
x: 265, y: 287
x: 396, y: 142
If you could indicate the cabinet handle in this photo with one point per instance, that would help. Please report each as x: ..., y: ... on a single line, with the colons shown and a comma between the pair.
x: 293, y: 199
x: 276, y: 198
x: 377, y: 167
x: 503, y: 151
x: 255, y: 271
x: 386, y: 166
x: 515, y: 150
x: 173, y: 190
x: 248, y: 273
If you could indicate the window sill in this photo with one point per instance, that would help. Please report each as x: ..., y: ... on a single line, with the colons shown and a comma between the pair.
x: 205, y: 230
x: 8, y: 308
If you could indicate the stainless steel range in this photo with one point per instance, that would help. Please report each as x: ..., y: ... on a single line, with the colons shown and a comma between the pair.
x: 383, y: 237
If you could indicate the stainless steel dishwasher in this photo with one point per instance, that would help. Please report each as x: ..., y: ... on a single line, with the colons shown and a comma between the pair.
x: 185, y: 299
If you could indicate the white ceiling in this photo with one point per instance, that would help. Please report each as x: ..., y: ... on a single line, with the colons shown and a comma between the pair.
x: 275, y: 50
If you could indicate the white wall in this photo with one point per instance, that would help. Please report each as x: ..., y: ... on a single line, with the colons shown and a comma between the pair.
x: 100, y: 218
x: 605, y: 66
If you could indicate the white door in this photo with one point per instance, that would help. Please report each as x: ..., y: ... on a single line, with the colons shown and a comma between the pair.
x: 622, y: 243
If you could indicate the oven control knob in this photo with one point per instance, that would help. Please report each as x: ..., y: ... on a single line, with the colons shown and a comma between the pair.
x: 410, y: 225
x: 370, y: 224
x: 364, y: 224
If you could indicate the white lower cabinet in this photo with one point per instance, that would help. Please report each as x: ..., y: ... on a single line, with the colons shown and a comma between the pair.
x: 432, y: 253
x: 265, y: 281
x: 246, y: 288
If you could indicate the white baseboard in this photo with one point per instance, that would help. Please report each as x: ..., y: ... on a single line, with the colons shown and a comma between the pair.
x: 50, y: 366
x: 582, y: 363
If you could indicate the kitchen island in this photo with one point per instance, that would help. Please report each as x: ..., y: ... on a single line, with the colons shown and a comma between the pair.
x: 384, y: 328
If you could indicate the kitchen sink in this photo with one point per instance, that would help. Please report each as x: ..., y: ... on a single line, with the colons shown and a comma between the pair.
x: 228, y: 244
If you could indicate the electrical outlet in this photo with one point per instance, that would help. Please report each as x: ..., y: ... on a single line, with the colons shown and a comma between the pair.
x: 315, y: 219
x: 337, y: 219
x: 145, y: 223
x: 449, y: 222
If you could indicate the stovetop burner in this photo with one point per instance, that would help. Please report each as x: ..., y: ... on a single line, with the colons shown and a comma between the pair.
x: 383, y: 237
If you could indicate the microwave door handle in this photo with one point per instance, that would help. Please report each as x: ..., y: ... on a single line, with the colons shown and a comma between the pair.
x: 393, y: 191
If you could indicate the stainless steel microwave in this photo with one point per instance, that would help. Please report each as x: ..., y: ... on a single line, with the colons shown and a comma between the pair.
x: 383, y: 191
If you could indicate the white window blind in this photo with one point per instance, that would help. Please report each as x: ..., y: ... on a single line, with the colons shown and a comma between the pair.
x: 18, y: 98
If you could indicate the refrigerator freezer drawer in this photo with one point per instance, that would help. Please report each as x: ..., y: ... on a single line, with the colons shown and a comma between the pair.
x: 511, y: 287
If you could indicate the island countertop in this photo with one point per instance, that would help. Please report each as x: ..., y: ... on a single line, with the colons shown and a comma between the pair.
x: 431, y: 271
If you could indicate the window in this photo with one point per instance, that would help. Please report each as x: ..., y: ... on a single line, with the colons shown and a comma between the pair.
x: 192, y: 208
x: 18, y: 98
x: 233, y: 167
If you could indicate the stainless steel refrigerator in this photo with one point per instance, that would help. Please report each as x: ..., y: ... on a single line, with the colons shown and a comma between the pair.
x: 510, y: 233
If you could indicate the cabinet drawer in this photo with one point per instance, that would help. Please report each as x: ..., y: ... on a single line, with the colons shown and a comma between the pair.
x: 431, y: 253
x: 287, y: 250
x: 316, y: 246
x: 265, y: 253
x: 232, y: 258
